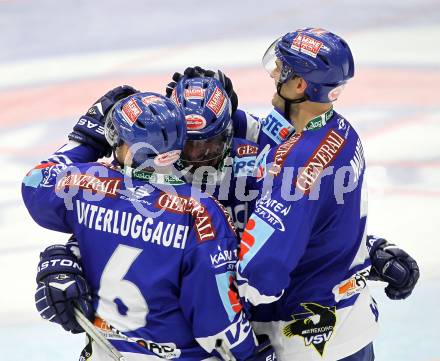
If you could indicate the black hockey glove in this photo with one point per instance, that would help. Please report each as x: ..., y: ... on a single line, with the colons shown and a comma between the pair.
x: 394, y: 266
x: 198, y: 72
x: 60, y: 287
x: 90, y: 127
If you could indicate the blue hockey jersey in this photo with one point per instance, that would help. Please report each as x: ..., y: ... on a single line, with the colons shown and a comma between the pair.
x: 303, y: 258
x: 236, y: 188
x: 159, y: 255
x: 270, y: 130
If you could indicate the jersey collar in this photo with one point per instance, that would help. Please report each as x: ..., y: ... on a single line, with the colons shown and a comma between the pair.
x: 313, y: 124
x: 319, y: 121
x: 152, y: 177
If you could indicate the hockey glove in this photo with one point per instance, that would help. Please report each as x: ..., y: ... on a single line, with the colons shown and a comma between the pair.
x: 60, y: 287
x: 90, y: 127
x: 394, y: 266
x: 198, y: 72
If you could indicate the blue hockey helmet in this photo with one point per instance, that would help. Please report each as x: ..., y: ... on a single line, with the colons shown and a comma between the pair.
x: 207, y: 111
x: 150, y: 122
x: 323, y: 59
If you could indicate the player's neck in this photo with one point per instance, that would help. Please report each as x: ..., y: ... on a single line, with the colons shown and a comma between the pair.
x: 303, y: 113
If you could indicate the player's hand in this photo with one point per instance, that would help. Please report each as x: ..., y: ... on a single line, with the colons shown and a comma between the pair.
x: 172, y: 85
x: 60, y: 287
x: 393, y: 266
x: 90, y: 127
x: 198, y: 72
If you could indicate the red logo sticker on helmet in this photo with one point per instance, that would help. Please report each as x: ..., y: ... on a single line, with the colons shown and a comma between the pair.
x: 152, y: 99
x: 131, y: 111
x: 194, y: 93
x: 174, y: 97
x: 334, y: 93
x: 307, y: 45
x: 217, y: 102
x: 167, y: 158
x: 195, y: 122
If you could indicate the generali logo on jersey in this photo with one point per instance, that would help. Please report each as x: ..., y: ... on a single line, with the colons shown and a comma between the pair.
x: 217, y: 102
x: 106, y: 186
x: 307, y: 45
x: 282, y: 152
x: 323, y: 156
x: 131, y: 111
x: 227, y: 215
x: 246, y: 149
x: 181, y: 205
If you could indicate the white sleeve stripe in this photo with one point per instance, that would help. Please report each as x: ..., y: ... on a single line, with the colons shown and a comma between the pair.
x: 44, y: 309
x: 252, y: 128
x: 41, y: 299
x: 253, y: 295
x: 240, y: 328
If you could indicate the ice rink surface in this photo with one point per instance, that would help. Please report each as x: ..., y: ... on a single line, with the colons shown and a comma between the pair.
x: 57, y: 57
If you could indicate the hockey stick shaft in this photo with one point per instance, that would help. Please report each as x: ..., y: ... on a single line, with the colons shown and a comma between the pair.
x: 100, y: 340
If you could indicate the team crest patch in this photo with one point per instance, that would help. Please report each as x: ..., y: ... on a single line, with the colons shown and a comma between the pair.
x: 316, y: 326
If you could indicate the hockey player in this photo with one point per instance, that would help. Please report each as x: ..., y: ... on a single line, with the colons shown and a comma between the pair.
x: 317, y: 307
x: 147, y: 273
x: 215, y: 160
x: 390, y: 264
x: 303, y: 261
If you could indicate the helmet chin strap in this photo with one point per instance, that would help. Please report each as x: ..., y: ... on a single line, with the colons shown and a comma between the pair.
x: 116, y: 158
x: 288, y: 102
